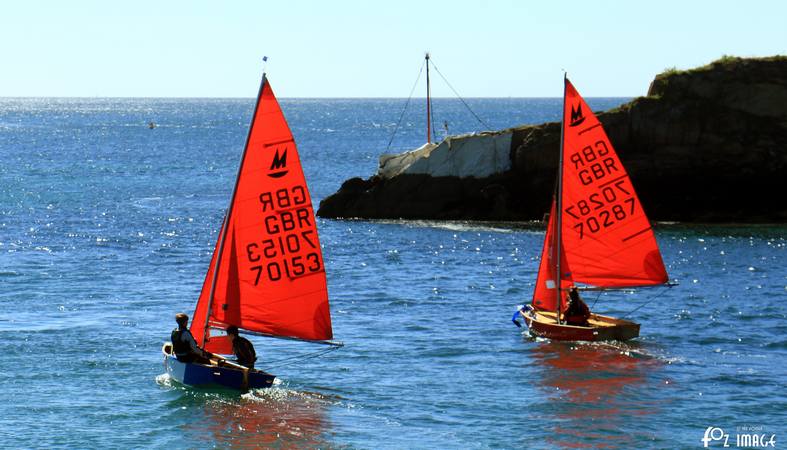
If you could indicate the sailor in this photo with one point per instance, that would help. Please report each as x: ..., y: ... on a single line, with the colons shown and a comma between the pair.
x: 183, y: 344
x: 242, y: 348
x: 577, y: 312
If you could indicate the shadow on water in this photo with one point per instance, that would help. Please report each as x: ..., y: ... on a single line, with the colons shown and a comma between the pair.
x: 593, y: 391
x: 276, y: 417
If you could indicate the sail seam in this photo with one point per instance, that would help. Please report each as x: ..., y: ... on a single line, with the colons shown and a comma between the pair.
x: 271, y: 302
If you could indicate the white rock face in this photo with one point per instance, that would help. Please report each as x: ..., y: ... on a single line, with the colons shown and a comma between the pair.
x: 469, y: 155
x: 392, y: 165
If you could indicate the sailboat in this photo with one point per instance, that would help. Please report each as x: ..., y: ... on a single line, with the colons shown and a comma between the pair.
x: 267, y: 274
x: 391, y: 164
x: 597, y: 236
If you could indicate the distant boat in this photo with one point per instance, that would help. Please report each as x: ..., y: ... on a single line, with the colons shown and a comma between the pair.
x: 430, y: 127
x: 598, y: 234
x: 391, y: 164
x: 267, y: 275
x: 429, y: 103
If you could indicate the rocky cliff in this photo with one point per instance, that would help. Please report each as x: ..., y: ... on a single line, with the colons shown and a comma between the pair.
x: 705, y: 145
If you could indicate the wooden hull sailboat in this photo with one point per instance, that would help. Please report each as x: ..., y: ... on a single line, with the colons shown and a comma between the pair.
x: 267, y: 275
x: 598, y: 235
x: 601, y: 328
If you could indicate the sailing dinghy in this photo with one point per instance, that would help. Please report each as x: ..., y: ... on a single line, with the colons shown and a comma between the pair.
x: 267, y: 275
x: 598, y: 234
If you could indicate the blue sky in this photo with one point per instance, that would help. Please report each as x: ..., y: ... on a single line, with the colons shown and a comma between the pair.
x: 336, y: 48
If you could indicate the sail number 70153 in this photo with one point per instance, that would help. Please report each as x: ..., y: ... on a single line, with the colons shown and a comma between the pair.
x: 280, y: 248
x: 293, y: 267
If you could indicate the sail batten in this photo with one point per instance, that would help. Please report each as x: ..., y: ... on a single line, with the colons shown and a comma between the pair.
x: 270, y: 278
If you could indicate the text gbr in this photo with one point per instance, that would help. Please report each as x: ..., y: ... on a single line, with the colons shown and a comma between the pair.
x: 291, y: 248
x: 591, y: 164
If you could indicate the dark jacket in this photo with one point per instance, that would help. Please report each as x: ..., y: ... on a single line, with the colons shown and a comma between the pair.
x: 184, y: 346
x: 244, y: 351
x: 577, y: 312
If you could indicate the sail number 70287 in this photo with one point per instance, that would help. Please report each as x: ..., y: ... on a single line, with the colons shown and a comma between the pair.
x: 603, y: 209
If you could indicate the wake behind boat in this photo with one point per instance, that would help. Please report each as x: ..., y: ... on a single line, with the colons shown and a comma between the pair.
x: 598, y: 234
x: 267, y: 275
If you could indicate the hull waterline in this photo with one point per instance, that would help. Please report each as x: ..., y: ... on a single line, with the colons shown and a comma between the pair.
x: 203, y: 375
x: 602, y: 328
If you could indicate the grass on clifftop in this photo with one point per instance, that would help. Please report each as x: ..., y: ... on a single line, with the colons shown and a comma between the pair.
x: 725, y: 60
x: 725, y: 63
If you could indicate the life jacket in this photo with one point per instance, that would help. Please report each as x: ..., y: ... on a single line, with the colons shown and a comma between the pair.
x: 179, y: 345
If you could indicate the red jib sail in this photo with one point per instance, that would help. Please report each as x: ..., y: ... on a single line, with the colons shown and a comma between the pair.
x: 271, y: 276
x: 545, y: 293
x: 606, y: 235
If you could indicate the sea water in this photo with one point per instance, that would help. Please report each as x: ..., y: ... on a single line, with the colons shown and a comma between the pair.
x: 106, y: 229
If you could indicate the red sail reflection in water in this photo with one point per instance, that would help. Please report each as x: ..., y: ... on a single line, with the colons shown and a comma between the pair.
x: 289, y: 420
x: 588, y: 388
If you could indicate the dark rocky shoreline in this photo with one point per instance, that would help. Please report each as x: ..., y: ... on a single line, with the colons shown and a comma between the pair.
x: 705, y: 145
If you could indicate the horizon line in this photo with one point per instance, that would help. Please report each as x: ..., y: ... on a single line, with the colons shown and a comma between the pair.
x: 76, y: 97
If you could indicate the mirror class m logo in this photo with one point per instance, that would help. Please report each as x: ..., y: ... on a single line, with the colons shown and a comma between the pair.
x: 279, y: 164
x: 576, y: 116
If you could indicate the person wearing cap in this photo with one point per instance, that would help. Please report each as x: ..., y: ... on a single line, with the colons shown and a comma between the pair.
x: 242, y: 348
x: 183, y: 344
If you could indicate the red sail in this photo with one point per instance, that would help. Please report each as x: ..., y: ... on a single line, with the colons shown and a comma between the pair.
x: 271, y: 276
x: 606, y: 236
x: 216, y: 344
x: 545, y: 293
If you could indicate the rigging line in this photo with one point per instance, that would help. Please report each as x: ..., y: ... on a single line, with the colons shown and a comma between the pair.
x: 434, y: 132
x: 647, y: 302
x: 596, y: 300
x: 293, y: 359
x: 460, y: 98
x: 407, y: 103
x: 431, y: 104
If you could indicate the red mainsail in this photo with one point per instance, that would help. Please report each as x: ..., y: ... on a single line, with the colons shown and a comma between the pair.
x: 605, y: 238
x: 271, y: 276
x: 606, y: 235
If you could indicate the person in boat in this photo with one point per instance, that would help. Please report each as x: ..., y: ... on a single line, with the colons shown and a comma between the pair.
x: 577, y: 312
x: 242, y: 348
x: 183, y: 344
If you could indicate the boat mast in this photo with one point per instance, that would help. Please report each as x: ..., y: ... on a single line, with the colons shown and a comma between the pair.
x: 428, y: 104
x: 225, y: 226
x: 559, y: 204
